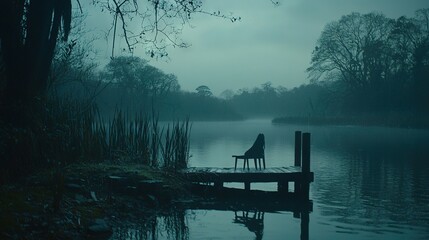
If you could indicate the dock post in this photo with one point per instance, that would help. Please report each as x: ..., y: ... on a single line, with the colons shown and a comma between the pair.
x: 247, y: 186
x: 298, y: 146
x: 218, y: 184
x: 305, y: 183
x: 283, y: 187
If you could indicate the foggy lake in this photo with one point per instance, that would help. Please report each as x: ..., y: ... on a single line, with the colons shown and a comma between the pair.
x: 370, y: 182
x: 97, y: 99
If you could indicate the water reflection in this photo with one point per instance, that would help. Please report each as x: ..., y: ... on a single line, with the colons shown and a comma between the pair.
x: 201, y: 220
x: 172, y: 225
x: 370, y: 183
x: 375, y: 204
x: 374, y: 181
x: 254, y: 222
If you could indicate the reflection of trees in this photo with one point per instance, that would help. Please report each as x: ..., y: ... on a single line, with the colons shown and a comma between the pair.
x: 175, y: 225
x: 375, y: 178
x: 254, y: 222
x: 169, y: 226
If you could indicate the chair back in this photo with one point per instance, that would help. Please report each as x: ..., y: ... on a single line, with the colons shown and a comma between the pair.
x: 258, y: 148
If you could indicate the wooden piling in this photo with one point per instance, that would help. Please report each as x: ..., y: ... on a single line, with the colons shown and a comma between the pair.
x: 306, y: 152
x: 305, y: 183
x: 283, y: 187
x: 218, y: 184
x: 247, y: 186
x: 298, y: 148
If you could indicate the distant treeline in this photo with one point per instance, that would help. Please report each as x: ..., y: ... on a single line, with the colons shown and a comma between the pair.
x: 365, y: 69
x: 132, y: 85
x: 375, y: 67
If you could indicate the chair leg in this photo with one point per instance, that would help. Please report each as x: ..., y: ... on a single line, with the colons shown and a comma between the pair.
x: 235, y: 166
x: 256, y: 164
x: 247, y: 160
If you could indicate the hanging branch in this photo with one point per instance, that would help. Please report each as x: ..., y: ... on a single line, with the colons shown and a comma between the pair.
x: 161, y: 24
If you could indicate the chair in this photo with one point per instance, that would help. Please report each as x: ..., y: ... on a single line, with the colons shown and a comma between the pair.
x: 257, y: 152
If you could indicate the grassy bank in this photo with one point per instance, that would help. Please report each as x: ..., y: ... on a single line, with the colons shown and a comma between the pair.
x: 72, y: 131
x: 60, y: 175
x: 48, y: 205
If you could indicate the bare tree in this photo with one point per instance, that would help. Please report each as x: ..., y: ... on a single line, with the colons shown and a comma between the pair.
x: 160, y: 22
x: 352, y: 50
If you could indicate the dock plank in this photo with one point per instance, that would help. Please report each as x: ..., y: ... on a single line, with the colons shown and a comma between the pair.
x: 275, y: 174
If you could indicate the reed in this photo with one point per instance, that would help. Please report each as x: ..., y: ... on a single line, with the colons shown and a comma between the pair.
x: 128, y: 140
x: 77, y: 132
x: 73, y: 131
x: 175, y: 148
x: 141, y: 139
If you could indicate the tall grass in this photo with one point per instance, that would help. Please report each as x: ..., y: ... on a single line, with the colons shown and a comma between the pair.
x: 80, y: 133
x: 72, y: 130
x: 141, y: 139
x: 175, y: 148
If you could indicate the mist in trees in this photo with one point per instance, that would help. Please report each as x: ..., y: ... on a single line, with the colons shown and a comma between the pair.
x: 364, y: 68
x: 375, y: 65
x: 49, y: 86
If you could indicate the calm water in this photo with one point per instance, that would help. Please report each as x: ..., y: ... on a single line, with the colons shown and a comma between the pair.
x: 370, y: 182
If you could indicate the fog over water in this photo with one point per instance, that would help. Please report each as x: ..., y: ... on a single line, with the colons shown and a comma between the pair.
x: 369, y: 181
x: 107, y: 121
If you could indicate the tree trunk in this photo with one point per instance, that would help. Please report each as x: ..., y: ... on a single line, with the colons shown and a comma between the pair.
x: 27, y: 51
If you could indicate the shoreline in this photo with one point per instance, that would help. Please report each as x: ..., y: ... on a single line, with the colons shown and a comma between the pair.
x: 81, y: 202
x: 378, y: 121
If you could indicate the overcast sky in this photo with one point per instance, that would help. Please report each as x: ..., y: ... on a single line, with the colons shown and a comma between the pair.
x: 269, y: 43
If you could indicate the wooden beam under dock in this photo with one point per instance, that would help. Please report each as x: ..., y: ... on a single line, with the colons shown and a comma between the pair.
x: 280, y: 175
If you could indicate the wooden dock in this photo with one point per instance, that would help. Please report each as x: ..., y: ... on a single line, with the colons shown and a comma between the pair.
x: 218, y: 176
x: 300, y: 174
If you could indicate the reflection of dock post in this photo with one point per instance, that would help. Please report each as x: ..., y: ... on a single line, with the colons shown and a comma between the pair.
x: 305, y: 220
x: 305, y: 183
